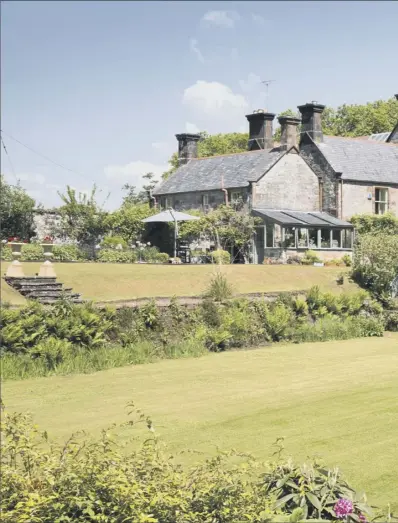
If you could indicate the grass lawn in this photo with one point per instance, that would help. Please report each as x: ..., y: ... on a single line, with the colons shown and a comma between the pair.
x: 334, y: 399
x: 112, y: 282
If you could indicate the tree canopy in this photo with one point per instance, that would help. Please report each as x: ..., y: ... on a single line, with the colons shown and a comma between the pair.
x: 16, y: 211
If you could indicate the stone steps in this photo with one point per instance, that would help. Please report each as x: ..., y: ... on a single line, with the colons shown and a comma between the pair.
x: 45, y: 290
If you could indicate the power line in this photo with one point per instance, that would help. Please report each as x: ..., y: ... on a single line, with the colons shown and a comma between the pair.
x: 9, y: 159
x: 43, y: 156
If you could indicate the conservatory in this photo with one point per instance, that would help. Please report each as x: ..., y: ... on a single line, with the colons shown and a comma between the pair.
x: 287, y: 233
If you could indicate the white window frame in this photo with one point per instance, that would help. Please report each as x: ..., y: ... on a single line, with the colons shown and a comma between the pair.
x: 236, y: 196
x: 205, y: 201
x: 381, y: 202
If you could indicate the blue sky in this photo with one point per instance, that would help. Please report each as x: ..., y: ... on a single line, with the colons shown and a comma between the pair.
x: 103, y: 87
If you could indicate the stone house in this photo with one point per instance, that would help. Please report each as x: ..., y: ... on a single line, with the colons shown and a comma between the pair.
x: 304, y: 189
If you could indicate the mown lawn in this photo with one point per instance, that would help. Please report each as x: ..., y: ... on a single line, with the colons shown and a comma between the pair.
x: 112, y: 282
x: 334, y: 399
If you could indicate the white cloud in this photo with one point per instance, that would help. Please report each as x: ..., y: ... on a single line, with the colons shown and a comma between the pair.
x: 192, y: 128
x: 221, y: 18
x: 193, y: 44
x: 259, y: 20
x: 133, y: 172
x: 213, y: 97
x: 253, y: 82
x: 32, y: 178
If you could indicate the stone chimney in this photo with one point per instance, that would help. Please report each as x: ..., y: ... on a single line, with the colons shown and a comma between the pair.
x: 260, y: 130
x: 311, y: 120
x: 187, y: 147
x: 289, y: 126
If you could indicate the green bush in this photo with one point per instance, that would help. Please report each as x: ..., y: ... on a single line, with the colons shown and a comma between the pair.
x: 67, y: 253
x: 89, y: 480
x: 310, y: 257
x: 32, y: 252
x: 391, y: 320
x: 219, y: 288
x: 221, y: 257
x: 334, y: 328
x: 374, y: 224
x: 162, y: 257
x: 347, y: 260
x: 113, y: 256
x: 111, y: 242
x: 5, y: 253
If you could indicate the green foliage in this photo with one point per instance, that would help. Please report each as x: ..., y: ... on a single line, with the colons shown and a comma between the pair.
x: 5, y: 252
x: 375, y: 223
x: 67, y: 253
x: 375, y: 262
x: 134, y: 198
x: 310, y: 257
x: 216, y: 144
x: 312, y: 488
x: 113, y: 256
x: 219, y: 288
x: 111, y: 242
x: 32, y: 252
x: 16, y: 211
x: 347, y: 260
x: 361, y: 120
x: 221, y: 257
x: 126, y: 221
x: 82, y: 217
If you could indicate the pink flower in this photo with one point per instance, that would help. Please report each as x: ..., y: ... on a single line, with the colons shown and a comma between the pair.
x: 343, y: 508
x: 362, y: 518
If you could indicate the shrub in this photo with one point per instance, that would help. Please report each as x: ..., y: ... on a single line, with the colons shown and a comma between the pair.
x: 220, y: 257
x: 111, y: 242
x: 310, y: 257
x: 372, y: 223
x: 32, y: 252
x: 294, y: 260
x: 162, y: 257
x: 391, y: 320
x: 114, y: 256
x: 67, y: 253
x: 5, y: 251
x: 334, y: 328
x: 219, y: 288
x: 347, y: 260
x: 96, y: 479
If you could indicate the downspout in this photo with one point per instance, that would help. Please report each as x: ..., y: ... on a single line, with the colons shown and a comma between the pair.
x: 224, y: 190
x: 341, y: 199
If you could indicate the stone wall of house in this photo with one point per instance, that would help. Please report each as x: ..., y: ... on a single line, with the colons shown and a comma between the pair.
x: 357, y: 200
x: 45, y: 222
x: 315, y: 159
x: 289, y: 184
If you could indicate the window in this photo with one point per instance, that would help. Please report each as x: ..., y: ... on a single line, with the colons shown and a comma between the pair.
x: 325, y: 238
x: 290, y: 237
x: 381, y: 201
x: 302, y: 237
x: 205, y: 201
x: 236, y: 196
x: 347, y: 239
x: 166, y: 203
x: 313, y: 238
x: 336, y: 239
x: 269, y: 235
x: 277, y: 236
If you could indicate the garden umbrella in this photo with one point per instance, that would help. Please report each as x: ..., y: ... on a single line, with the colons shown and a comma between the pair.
x: 171, y: 216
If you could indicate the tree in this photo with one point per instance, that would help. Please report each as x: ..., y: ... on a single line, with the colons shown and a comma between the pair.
x: 127, y: 221
x: 226, y: 226
x: 16, y: 211
x: 82, y: 217
x: 132, y: 197
x: 361, y: 120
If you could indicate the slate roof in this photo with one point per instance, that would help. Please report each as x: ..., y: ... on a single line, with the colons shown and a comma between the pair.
x: 361, y: 160
x: 299, y: 218
x: 205, y: 174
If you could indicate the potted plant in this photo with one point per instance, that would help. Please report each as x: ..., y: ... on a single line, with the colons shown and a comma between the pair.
x: 15, y: 268
x: 47, y: 243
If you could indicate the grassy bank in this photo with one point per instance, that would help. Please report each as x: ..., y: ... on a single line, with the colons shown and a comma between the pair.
x: 335, y: 399
x: 112, y: 282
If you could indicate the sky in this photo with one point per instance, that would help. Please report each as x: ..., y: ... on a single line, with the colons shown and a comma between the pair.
x: 101, y: 88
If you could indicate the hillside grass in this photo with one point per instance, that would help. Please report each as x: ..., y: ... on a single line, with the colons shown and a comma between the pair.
x: 334, y: 399
x: 117, y: 282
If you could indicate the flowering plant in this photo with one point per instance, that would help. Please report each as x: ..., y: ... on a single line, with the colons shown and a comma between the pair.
x: 16, y: 239
x: 47, y: 239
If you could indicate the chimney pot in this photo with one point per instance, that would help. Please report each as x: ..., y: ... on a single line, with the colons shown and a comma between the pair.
x: 311, y: 120
x: 260, y: 130
x: 187, y: 147
x: 289, y: 126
